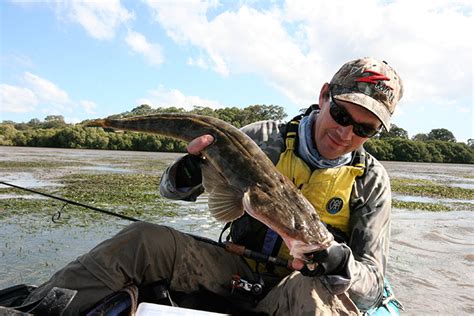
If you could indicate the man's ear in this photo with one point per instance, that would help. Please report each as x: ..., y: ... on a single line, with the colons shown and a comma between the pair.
x: 324, y: 95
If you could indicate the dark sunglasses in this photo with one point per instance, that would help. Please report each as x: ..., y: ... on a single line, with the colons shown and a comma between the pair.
x: 343, y: 118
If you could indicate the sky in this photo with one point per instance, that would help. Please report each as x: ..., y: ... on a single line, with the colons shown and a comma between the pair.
x: 91, y: 59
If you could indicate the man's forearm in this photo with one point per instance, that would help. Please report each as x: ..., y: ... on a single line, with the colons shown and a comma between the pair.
x: 174, y: 182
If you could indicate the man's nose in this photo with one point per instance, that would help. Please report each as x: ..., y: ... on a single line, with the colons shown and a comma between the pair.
x: 345, y: 132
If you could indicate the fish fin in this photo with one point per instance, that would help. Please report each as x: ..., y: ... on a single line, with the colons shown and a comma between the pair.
x: 225, y: 201
x: 225, y: 205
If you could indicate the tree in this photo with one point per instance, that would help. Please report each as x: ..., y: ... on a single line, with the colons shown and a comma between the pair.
x: 445, y: 149
x: 423, y: 152
x: 54, y: 118
x: 380, y: 149
x: 34, y: 123
x: 203, y: 110
x: 96, y: 138
x: 395, y: 132
x: 470, y: 142
x: 143, y: 109
x: 405, y: 150
x: 7, y: 134
x: 420, y: 137
x: 230, y: 115
x: 54, y: 121
x: 441, y: 134
x: 462, y: 153
x: 436, y: 155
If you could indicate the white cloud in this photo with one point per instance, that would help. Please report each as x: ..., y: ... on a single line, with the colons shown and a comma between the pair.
x: 40, y: 94
x: 88, y: 106
x: 17, y: 99
x: 299, y: 45
x: 46, y: 91
x: 72, y: 120
x: 16, y: 60
x: 139, y: 44
x: 162, y: 97
x: 100, y: 19
x: 199, y: 62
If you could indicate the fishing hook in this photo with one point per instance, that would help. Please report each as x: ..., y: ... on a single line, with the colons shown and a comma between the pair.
x: 56, y: 217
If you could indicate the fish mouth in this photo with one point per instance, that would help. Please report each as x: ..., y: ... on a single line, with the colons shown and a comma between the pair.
x: 300, y: 250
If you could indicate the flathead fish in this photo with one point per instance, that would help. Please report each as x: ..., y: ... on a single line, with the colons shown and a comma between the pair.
x: 238, y: 176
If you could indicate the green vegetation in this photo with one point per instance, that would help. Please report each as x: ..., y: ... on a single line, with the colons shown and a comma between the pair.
x: 54, y: 132
x: 134, y: 192
x: 439, y: 145
x: 432, y: 207
x: 400, y: 149
x: 18, y: 206
x: 429, y: 188
x: 432, y: 189
x: 134, y: 195
x: 22, y: 165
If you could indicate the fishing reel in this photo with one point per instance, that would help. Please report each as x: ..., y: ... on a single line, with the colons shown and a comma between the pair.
x: 240, y: 284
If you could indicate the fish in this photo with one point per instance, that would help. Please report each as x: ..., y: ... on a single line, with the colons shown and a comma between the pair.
x: 238, y: 177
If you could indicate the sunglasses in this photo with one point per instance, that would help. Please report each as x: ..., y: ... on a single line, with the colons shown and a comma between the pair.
x: 343, y: 118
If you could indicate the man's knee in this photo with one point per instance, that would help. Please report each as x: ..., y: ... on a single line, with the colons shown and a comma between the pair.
x: 143, y: 231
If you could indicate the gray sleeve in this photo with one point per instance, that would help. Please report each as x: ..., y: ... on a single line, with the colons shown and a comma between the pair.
x: 268, y: 135
x: 168, y: 187
x: 368, y: 239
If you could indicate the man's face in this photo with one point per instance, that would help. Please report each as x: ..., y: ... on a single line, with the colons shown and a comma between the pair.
x: 333, y: 140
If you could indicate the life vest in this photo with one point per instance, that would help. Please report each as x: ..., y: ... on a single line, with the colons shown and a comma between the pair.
x: 328, y: 190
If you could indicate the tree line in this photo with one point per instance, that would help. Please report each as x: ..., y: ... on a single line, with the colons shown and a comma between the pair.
x: 439, y: 145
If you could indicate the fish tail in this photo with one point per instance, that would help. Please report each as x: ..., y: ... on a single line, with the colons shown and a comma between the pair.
x: 96, y: 123
x: 181, y: 126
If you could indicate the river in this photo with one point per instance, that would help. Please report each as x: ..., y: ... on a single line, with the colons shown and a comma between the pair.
x: 431, y: 255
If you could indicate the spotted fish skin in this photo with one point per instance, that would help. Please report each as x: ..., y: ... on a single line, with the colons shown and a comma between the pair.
x: 238, y: 176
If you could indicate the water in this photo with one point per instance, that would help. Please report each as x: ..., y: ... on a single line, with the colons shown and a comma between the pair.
x: 431, y: 256
x: 431, y: 262
x: 25, y: 179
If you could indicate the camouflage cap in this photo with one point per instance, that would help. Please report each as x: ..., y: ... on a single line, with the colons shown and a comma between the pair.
x: 371, y: 84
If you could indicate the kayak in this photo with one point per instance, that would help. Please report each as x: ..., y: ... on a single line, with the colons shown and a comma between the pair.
x: 153, y: 300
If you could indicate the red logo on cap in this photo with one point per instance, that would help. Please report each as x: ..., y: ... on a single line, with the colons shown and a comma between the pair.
x: 375, y: 78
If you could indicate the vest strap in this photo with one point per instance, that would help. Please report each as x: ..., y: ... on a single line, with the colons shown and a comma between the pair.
x: 270, y: 241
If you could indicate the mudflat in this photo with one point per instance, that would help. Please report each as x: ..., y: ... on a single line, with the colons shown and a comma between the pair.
x: 432, y: 249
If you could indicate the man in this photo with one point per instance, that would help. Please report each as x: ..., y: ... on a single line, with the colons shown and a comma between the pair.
x: 321, y: 152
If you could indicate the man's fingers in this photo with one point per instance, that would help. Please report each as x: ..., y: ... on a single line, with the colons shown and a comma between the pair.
x: 297, y: 264
x: 198, y: 144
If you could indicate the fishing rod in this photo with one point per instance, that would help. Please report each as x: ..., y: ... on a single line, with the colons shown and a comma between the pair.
x: 72, y: 202
x: 227, y: 245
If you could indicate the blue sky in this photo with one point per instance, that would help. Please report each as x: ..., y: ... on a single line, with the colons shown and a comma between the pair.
x: 96, y: 58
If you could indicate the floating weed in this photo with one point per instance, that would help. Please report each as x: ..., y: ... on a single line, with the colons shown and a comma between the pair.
x: 422, y: 187
x: 152, y: 166
x: 432, y: 207
x: 43, y: 164
x: 134, y: 195
x: 460, y: 206
x: 112, y: 189
x: 16, y: 192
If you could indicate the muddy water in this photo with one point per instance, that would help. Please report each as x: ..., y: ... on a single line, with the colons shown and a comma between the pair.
x: 431, y: 259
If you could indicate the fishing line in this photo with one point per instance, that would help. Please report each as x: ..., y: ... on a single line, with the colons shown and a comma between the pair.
x: 72, y: 202
x: 229, y: 246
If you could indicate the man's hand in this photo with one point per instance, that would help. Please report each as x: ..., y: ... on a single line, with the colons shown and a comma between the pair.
x: 332, y: 260
x: 188, y: 172
x: 199, y: 144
